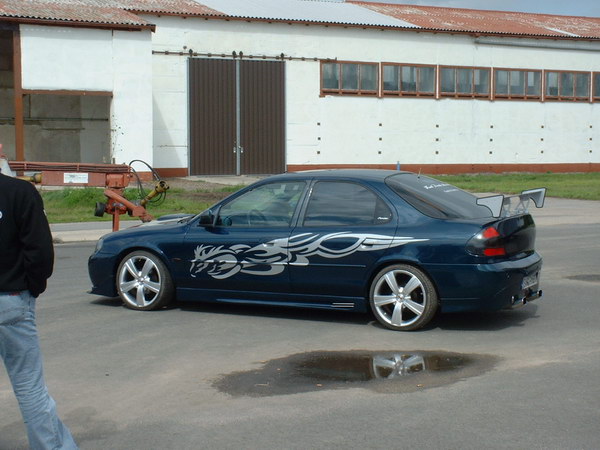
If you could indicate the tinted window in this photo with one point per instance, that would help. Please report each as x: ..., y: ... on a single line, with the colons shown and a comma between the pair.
x: 464, y: 81
x: 269, y: 205
x: 534, y: 83
x: 350, y: 76
x: 344, y: 203
x: 552, y: 83
x: 448, y: 80
x: 435, y: 198
x: 502, y: 82
x: 566, y: 84
x: 582, y: 85
x: 368, y: 77
x: 427, y: 79
x: 482, y: 81
x: 331, y: 76
x: 391, y: 78
x: 517, y: 82
x: 409, y: 79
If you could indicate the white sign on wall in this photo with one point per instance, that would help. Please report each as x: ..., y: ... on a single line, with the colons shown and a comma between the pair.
x: 75, y: 178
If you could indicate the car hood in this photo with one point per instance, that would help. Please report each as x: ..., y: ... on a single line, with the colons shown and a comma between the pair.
x: 174, y: 222
x: 166, y: 220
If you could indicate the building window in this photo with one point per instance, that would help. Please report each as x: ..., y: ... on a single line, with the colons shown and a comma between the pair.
x: 408, y: 80
x: 596, y: 87
x: 518, y: 84
x: 574, y: 86
x: 465, y: 82
x: 349, y: 78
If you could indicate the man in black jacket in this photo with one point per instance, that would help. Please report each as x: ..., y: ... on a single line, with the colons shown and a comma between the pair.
x: 26, y: 262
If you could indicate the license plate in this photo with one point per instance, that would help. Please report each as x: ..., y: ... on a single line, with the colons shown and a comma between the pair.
x: 529, y: 281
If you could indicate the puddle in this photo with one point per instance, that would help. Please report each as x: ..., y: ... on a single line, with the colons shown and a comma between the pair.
x: 381, y: 371
x: 587, y: 277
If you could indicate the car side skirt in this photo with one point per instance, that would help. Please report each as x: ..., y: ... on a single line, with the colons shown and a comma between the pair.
x: 357, y: 304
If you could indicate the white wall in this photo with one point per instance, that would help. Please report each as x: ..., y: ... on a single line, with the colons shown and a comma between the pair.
x: 170, y: 111
x: 65, y: 58
x: 132, y: 97
x: 359, y: 130
x: 149, y: 109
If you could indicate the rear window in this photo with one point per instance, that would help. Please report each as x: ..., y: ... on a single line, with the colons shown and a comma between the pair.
x: 435, y: 198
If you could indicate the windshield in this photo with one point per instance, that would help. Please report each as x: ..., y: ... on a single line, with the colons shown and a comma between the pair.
x: 435, y: 198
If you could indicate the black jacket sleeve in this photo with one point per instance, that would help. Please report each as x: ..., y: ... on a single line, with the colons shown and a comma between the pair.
x: 36, y: 241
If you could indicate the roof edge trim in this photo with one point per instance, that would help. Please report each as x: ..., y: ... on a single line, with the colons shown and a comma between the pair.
x: 383, y: 27
x: 77, y: 24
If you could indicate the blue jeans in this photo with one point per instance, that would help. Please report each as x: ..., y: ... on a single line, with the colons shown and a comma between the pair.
x: 20, y: 350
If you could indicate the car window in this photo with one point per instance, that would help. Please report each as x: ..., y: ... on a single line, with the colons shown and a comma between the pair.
x: 344, y: 203
x: 268, y: 205
x: 435, y: 198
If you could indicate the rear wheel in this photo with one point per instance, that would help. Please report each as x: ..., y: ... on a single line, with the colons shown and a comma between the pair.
x: 403, y: 298
x: 143, y: 281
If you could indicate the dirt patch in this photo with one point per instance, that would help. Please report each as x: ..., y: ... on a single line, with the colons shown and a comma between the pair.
x: 188, y: 185
x: 196, y: 190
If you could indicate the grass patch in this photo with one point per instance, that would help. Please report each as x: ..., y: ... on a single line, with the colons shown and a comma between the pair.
x: 78, y: 205
x: 583, y: 186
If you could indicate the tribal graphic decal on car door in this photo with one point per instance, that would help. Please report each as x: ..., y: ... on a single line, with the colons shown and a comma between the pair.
x: 270, y: 258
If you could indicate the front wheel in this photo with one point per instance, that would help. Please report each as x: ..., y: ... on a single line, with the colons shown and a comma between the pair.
x: 403, y: 298
x: 143, y: 281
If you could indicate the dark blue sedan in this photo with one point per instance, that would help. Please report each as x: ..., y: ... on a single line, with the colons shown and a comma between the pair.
x: 399, y: 244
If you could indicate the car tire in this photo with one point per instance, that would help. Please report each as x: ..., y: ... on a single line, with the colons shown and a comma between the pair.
x: 403, y: 298
x: 143, y: 282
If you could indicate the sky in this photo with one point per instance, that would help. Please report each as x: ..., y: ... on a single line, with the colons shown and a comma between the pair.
x: 589, y: 8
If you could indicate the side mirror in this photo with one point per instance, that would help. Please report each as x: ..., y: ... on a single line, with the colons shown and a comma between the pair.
x: 208, y: 218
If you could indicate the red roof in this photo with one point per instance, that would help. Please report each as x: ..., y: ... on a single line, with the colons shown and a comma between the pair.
x: 38, y: 11
x: 125, y: 13
x: 489, y: 22
x: 98, y: 12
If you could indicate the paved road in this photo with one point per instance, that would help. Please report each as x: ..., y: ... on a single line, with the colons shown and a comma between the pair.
x: 131, y: 380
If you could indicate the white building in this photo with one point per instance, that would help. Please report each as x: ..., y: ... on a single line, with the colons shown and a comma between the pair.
x: 265, y: 86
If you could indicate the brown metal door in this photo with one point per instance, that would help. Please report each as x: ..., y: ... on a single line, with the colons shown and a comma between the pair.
x: 212, y: 116
x: 263, y: 117
x: 231, y: 99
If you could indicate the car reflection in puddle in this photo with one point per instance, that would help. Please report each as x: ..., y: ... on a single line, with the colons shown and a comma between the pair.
x: 381, y: 371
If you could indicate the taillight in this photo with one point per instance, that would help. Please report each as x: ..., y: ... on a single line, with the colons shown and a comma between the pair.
x: 488, y: 242
x: 489, y: 233
x: 494, y: 251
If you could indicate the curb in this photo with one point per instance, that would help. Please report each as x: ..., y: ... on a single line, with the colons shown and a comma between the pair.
x: 64, y: 237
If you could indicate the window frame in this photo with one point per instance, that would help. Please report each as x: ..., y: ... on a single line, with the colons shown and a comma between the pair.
x: 595, y: 85
x: 379, y: 91
x: 413, y: 94
x: 472, y: 94
x: 567, y: 98
x: 340, y: 90
x: 527, y: 97
x: 225, y: 207
x: 302, y: 220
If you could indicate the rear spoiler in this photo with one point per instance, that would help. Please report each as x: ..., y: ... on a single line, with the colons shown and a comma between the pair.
x: 512, y: 205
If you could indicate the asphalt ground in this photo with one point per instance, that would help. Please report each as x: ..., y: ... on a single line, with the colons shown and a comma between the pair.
x: 192, y: 376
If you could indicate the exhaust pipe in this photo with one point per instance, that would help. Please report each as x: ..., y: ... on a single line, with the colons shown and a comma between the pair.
x: 519, y: 302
